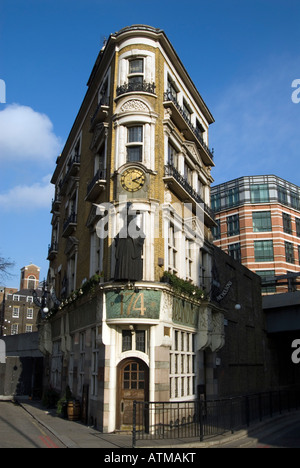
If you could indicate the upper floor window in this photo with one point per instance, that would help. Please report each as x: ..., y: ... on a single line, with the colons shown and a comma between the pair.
x: 233, y: 196
x: 259, y: 193
x: 136, y: 71
x: 287, y: 223
x: 172, y: 91
x: 263, y: 251
x: 262, y: 221
x: 135, y: 144
x: 233, y: 225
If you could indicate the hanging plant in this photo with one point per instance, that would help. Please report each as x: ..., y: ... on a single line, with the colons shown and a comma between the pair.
x: 183, y: 286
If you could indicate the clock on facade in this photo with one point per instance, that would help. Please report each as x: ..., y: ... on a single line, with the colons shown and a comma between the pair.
x: 132, y: 179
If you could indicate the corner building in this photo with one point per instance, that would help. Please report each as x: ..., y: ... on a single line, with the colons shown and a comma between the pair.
x: 137, y: 155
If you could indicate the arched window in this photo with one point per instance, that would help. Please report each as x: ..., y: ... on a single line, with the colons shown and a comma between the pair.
x: 31, y: 282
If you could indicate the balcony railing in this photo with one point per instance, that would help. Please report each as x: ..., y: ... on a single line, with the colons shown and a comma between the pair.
x: 168, y: 96
x: 103, y: 105
x: 52, y: 250
x: 69, y: 224
x: 73, y: 167
x: 171, y: 171
x: 136, y: 87
x: 96, y: 185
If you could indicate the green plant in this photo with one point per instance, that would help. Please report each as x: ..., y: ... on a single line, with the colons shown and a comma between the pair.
x: 183, y: 286
x: 62, y: 403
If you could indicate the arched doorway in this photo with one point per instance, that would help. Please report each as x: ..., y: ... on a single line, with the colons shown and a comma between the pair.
x: 133, y: 384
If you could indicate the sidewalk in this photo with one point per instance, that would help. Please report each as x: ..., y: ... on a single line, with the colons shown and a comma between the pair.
x: 74, y: 434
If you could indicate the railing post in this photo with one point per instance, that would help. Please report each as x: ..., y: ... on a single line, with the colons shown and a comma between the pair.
x: 134, y: 425
x: 247, y: 410
x: 201, y: 420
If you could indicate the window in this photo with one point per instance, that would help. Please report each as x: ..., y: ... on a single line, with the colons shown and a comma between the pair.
x: 188, y: 259
x: 234, y: 250
x: 188, y: 173
x: 16, y: 312
x: 297, y: 227
x: 186, y: 111
x: 262, y: 221
x: 31, y: 282
x: 287, y: 223
x: 172, y: 156
x: 126, y: 340
x: 29, y: 313
x: 81, y: 362
x: 216, y: 230
x: 134, y: 339
x: 216, y: 202
x: 182, y: 364
x: 172, y: 249
x: 295, y: 200
x: 266, y: 276
x: 28, y: 329
x: 172, y: 91
x: 233, y: 197
x: 14, y: 329
x: 282, y: 195
x: 135, y: 143
x: 289, y: 252
x: 233, y: 225
x: 136, y: 73
x: 94, y: 365
x: 263, y: 251
x: 259, y: 193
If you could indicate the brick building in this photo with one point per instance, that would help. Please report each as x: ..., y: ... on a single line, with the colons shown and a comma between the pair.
x: 258, y: 223
x: 19, y: 313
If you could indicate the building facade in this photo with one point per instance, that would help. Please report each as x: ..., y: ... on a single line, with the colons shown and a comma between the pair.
x: 258, y: 223
x: 131, y: 248
x: 19, y: 313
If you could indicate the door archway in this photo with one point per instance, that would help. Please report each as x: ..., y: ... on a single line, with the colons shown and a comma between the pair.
x: 133, y: 384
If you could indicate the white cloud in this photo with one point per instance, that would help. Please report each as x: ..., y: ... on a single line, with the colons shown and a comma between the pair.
x: 27, y: 135
x: 28, y: 197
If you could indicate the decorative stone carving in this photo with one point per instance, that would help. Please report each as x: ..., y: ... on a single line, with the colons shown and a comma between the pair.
x: 134, y: 105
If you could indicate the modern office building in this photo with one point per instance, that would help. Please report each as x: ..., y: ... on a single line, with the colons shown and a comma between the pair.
x: 258, y: 223
x: 131, y: 248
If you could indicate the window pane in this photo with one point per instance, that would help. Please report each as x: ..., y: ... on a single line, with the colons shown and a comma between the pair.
x: 140, y: 340
x: 259, y: 193
x: 136, y: 66
x: 262, y: 221
x: 135, y: 134
x: 134, y: 153
x: 263, y: 251
x: 126, y: 341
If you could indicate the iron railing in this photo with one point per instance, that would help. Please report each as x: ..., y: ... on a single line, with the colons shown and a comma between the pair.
x: 202, y: 419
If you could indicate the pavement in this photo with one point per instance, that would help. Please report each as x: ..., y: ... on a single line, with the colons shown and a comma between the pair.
x: 75, y: 434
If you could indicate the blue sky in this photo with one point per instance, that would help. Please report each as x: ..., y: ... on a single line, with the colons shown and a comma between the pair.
x: 243, y: 56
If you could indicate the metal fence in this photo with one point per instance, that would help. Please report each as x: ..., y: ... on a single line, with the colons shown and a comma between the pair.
x: 207, y: 418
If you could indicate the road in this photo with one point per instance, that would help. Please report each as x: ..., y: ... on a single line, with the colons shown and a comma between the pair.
x: 20, y: 430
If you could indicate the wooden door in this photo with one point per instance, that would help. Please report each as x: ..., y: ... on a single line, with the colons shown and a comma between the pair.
x: 133, y: 385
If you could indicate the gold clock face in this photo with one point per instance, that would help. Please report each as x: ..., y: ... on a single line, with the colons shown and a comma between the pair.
x: 132, y: 179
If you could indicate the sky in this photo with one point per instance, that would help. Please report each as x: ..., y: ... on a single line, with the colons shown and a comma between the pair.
x: 242, y: 55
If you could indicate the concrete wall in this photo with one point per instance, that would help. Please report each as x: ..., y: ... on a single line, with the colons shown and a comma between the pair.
x: 22, y: 369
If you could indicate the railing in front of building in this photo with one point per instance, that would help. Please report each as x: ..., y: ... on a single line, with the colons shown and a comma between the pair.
x: 168, y: 96
x: 201, y: 419
x: 130, y: 87
x: 170, y: 170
